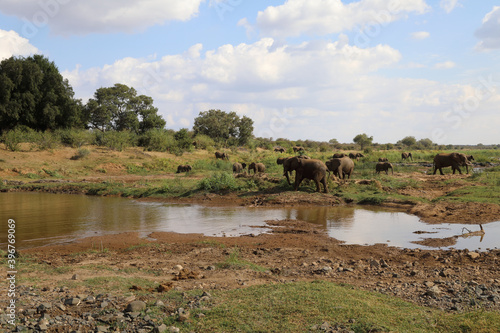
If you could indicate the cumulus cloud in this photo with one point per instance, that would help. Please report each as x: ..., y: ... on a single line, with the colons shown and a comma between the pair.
x: 11, y: 44
x: 420, y: 35
x: 488, y: 32
x: 448, y: 5
x: 282, y: 87
x: 95, y: 16
x: 297, y: 17
x: 445, y: 65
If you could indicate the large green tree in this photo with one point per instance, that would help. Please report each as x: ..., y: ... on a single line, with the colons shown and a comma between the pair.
x: 224, y: 127
x: 119, y: 108
x: 34, y: 94
x: 363, y: 140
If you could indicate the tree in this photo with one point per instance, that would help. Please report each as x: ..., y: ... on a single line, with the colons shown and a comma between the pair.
x: 426, y: 143
x: 119, y: 108
x: 223, y: 126
x: 363, y: 140
x: 409, y: 141
x: 34, y: 94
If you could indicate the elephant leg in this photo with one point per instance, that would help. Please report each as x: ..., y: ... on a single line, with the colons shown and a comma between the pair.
x: 323, y: 181
x: 298, y: 180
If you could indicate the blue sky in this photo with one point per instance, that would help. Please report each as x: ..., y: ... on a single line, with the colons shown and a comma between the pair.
x: 315, y: 69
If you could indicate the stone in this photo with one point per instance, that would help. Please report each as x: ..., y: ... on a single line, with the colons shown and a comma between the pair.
x: 74, y: 277
x: 72, y: 301
x: 136, y: 306
x: 160, y: 329
x: 473, y: 255
x: 159, y: 303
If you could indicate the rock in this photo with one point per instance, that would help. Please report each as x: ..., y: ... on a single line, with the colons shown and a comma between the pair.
x: 72, y: 301
x: 178, y: 267
x: 43, y: 325
x: 74, y: 277
x: 473, y: 255
x: 165, y: 287
x: 173, y: 329
x: 433, y: 291
x: 136, y: 306
x: 44, y: 307
x: 159, y: 303
x: 160, y: 329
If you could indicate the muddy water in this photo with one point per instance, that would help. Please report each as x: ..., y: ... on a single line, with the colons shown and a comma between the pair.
x: 43, y: 219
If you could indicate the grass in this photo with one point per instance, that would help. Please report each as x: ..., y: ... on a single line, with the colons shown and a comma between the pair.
x: 233, y: 261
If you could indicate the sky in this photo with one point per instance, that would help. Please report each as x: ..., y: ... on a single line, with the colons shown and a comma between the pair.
x: 300, y: 69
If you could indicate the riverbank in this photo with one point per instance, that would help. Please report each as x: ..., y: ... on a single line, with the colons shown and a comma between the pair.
x: 294, y: 279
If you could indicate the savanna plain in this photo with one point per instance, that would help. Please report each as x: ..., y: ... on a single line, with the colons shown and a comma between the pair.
x: 293, y: 279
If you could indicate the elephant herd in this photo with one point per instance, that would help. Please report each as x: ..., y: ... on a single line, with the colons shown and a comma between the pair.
x: 341, y: 165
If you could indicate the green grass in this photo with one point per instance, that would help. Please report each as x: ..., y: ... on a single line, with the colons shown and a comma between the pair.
x: 233, y: 261
x: 297, y: 307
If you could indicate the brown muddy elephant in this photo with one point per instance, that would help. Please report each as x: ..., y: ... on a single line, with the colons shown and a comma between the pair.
x: 279, y: 150
x: 341, y: 167
x: 404, y: 156
x: 383, y: 159
x: 239, y: 167
x: 256, y: 167
x: 222, y: 156
x: 297, y: 149
x: 384, y: 166
x: 290, y: 164
x: 455, y: 160
x: 184, y: 168
x: 339, y: 155
x: 311, y: 169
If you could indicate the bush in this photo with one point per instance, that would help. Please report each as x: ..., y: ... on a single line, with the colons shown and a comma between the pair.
x: 203, y: 141
x: 12, y: 139
x: 45, y: 140
x: 115, y: 140
x: 219, y: 181
x: 75, y: 138
x: 157, y: 140
x: 81, y: 153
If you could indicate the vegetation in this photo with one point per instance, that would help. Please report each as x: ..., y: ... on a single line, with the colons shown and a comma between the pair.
x: 224, y: 127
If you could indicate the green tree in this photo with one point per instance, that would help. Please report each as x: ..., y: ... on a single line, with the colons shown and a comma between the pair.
x: 119, y: 108
x: 363, y: 140
x: 409, y: 141
x: 34, y: 94
x: 223, y: 126
x: 426, y: 143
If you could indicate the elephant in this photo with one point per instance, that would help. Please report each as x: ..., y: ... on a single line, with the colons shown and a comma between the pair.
x: 455, y: 160
x: 339, y: 155
x: 311, y: 169
x: 341, y: 167
x: 281, y: 160
x: 470, y: 158
x: 296, y: 149
x: 239, y: 167
x: 358, y: 155
x: 222, y: 156
x: 290, y: 164
x: 256, y: 167
x: 404, y: 156
x: 279, y: 149
x: 383, y: 159
x: 384, y: 166
x: 184, y: 168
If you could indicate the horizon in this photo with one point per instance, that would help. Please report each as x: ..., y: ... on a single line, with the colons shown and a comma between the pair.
x: 299, y: 69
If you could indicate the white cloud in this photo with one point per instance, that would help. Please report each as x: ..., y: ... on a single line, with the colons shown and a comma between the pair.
x: 66, y: 17
x: 11, y: 44
x: 333, y: 87
x: 297, y: 17
x: 445, y: 65
x: 448, y: 5
x: 488, y: 33
x: 420, y: 35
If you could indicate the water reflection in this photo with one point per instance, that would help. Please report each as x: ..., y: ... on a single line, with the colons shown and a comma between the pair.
x: 49, y: 218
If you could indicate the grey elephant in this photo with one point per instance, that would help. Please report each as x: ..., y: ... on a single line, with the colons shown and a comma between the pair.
x: 339, y: 155
x: 279, y: 149
x: 256, y: 167
x: 297, y: 149
x: 470, y: 158
x: 383, y: 159
x: 455, y: 160
x: 184, y: 168
x: 384, y: 166
x: 341, y: 167
x: 222, y: 156
x: 311, y: 169
x: 290, y: 164
x: 404, y: 156
x: 239, y: 167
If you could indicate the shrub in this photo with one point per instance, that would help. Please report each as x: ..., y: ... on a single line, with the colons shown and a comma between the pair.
x: 157, y: 140
x: 115, y: 140
x: 75, y: 138
x: 203, y: 141
x: 219, y: 181
x: 81, y: 153
x: 45, y: 140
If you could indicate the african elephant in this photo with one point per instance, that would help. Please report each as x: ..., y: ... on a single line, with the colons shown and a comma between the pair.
x: 404, y: 156
x: 339, y: 155
x: 383, y: 159
x: 384, y: 166
x: 291, y: 164
x: 281, y: 160
x: 279, y: 149
x: 256, y: 167
x: 222, y: 156
x: 341, y: 167
x: 184, y: 168
x: 358, y: 155
x: 239, y: 167
x: 296, y: 149
x: 455, y: 160
x: 311, y: 169
x: 470, y: 158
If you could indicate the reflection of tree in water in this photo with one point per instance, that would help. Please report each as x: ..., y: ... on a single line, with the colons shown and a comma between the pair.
x: 325, y: 216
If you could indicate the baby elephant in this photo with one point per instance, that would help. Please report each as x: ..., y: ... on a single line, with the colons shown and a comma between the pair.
x: 239, y: 167
x: 384, y: 166
x: 383, y: 159
x: 184, y: 168
x: 256, y: 167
